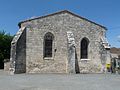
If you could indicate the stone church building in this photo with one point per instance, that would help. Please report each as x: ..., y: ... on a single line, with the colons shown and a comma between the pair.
x: 61, y: 42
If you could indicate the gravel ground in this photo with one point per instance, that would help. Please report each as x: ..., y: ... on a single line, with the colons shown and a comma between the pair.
x: 59, y: 81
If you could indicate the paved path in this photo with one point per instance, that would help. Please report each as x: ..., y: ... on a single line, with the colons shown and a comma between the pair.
x: 59, y: 81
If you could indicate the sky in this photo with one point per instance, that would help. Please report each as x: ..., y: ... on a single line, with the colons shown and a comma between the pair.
x: 104, y: 12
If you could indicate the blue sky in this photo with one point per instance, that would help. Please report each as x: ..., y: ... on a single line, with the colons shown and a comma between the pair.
x: 105, y: 12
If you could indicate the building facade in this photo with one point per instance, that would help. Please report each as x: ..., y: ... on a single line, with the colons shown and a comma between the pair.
x: 62, y: 42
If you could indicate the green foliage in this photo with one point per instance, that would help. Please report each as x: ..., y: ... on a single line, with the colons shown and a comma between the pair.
x: 5, y: 44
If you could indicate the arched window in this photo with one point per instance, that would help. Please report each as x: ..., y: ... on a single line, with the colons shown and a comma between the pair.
x: 48, y: 43
x: 84, y: 48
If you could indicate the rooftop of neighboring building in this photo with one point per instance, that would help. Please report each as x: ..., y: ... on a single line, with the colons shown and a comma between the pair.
x: 115, y: 50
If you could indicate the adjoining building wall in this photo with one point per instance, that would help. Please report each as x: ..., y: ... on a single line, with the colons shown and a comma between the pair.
x: 35, y: 62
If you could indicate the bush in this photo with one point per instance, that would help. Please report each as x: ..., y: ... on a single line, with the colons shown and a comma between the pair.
x: 5, y: 44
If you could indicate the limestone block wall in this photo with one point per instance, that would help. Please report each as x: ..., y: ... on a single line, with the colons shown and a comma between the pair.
x: 35, y: 62
x: 6, y: 64
x: 59, y: 25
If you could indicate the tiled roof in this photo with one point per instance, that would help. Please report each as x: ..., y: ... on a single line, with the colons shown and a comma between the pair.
x: 115, y: 50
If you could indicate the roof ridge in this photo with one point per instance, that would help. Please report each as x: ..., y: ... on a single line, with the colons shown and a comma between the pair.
x: 62, y: 11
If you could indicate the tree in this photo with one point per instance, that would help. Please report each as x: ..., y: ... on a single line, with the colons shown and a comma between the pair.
x: 5, y: 44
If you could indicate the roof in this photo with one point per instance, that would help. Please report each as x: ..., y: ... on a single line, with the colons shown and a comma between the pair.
x: 115, y: 50
x: 64, y: 11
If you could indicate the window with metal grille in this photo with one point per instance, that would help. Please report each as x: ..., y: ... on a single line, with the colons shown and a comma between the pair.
x: 48, y: 43
x: 84, y: 48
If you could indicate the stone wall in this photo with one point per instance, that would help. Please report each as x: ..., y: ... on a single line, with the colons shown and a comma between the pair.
x: 59, y: 25
x: 20, y: 62
x: 6, y: 64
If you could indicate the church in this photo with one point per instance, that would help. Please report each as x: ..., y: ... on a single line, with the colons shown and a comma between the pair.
x: 62, y: 42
